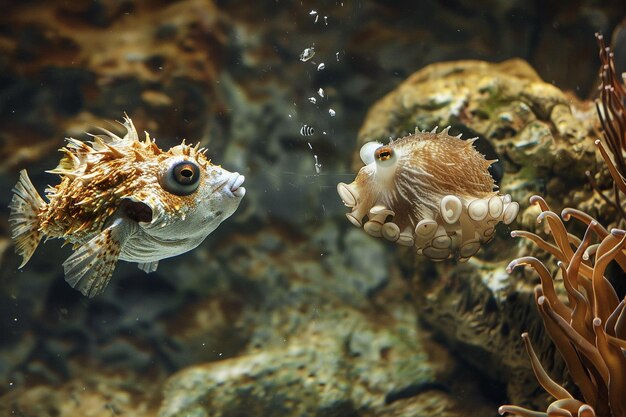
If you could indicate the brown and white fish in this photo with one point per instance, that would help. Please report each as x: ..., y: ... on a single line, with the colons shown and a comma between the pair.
x: 122, y: 198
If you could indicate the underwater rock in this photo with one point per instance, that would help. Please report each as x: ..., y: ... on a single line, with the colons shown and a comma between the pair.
x: 318, y: 324
x: 532, y: 128
x: 89, y: 396
x: 537, y: 133
x: 313, y: 344
x: 63, y: 62
x: 336, y: 361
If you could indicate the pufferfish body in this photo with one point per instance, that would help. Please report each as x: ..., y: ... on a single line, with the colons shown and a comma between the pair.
x: 429, y: 190
x: 122, y: 198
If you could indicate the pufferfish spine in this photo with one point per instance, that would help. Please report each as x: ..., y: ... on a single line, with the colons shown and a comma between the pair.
x: 429, y: 190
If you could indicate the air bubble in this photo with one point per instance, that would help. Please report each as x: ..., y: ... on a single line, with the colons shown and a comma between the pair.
x: 307, y: 130
x: 307, y: 54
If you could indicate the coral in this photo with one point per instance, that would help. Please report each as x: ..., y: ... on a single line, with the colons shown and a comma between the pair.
x: 590, y: 329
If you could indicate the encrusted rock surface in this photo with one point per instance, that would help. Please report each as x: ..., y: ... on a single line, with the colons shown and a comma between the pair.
x: 342, y: 339
x: 87, y: 396
x: 537, y: 132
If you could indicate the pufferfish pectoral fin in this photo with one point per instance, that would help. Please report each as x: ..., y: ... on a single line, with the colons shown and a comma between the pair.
x: 90, y: 267
x: 148, y: 267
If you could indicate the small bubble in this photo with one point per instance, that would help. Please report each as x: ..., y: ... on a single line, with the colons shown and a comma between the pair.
x: 307, y: 130
x: 320, y: 92
x: 312, y: 100
x: 307, y: 54
x: 331, y: 112
x: 321, y: 66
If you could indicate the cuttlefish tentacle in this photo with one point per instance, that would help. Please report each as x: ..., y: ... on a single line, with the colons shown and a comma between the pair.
x: 429, y: 190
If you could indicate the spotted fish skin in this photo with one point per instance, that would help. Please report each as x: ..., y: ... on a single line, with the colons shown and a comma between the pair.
x: 123, y: 198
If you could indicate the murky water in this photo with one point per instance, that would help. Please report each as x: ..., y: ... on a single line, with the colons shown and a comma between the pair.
x: 287, y: 308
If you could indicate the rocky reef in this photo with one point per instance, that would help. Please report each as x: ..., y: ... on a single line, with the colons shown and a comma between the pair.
x: 287, y: 309
x: 538, y: 134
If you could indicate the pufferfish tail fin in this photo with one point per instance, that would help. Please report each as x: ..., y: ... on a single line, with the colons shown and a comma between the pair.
x: 24, y: 218
x: 90, y: 267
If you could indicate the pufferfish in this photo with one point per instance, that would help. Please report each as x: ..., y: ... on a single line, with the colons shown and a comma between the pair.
x: 123, y: 198
x: 429, y: 190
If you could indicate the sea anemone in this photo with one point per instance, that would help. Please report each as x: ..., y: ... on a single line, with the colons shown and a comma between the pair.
x: 590, y: 329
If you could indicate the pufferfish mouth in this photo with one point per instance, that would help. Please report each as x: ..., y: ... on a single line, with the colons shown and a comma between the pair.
x: 234, y: 184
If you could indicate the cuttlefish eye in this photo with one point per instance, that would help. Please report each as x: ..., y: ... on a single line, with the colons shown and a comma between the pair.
x: 182, y: 178
x: 384, y: 156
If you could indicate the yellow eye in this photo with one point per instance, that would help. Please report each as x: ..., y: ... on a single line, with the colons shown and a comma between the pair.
x: 383, y: 153
x: 182, y: 178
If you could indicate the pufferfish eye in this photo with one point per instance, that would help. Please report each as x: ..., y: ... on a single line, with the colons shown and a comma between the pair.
x: 182, y: 178
x: 384, y: 156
